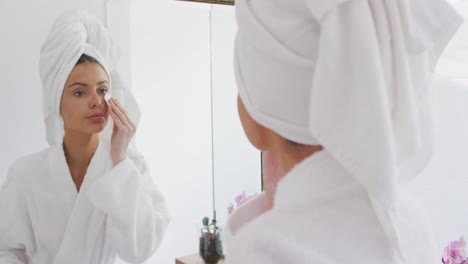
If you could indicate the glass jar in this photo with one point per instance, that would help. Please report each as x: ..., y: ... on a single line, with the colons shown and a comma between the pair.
x: 211, y: 247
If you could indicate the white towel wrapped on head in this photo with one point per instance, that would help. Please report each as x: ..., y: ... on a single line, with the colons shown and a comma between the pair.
x: 73, y: 34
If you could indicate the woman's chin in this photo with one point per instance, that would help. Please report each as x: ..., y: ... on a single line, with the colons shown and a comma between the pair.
x: 96, y: 128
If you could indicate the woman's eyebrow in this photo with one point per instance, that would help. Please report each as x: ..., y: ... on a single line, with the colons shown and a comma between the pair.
x: 84, y: 84
x: 78, y: 83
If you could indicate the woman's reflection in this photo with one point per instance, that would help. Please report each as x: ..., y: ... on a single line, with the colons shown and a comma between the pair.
x: 88, y: 198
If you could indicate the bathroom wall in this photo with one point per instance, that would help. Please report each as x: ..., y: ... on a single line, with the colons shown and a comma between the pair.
x: 442, y: 185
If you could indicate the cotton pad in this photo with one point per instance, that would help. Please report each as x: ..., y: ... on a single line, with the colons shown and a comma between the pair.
x: 107, y: 97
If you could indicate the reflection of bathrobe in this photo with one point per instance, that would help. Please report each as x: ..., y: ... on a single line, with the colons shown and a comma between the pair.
x: 118, y: 211
x: 321, y: 216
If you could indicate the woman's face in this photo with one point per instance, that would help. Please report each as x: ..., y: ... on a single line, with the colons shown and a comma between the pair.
x: 83, y: 106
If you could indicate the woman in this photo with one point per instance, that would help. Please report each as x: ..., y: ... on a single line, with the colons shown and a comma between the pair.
x: 89, y: 197
x: 337, y: 93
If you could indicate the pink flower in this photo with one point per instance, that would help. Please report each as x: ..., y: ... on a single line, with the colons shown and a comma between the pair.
x: 240, y: 200
x: 230, y: 208
x: 455, y: 252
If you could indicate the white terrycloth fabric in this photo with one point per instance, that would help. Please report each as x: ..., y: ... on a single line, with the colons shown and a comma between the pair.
x: 350, y: 75
x: 75, y: 33
x: 119, y: 211
x: 323, y: 216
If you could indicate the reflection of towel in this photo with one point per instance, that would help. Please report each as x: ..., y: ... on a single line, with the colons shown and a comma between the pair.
x: 351, y: 75
x: 75, y: 33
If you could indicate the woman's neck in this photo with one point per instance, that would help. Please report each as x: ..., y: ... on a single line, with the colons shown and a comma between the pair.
x: 293, y: 155
x: 286, y: 156
x: 79, y: 148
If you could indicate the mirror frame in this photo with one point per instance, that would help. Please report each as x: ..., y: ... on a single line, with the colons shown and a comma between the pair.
x: 219, y: 2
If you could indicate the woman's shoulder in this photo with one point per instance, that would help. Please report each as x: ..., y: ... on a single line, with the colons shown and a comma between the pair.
x: 314, y: 232
x: 261, y: 242
x: 33, y: 161
x: 20, y: 171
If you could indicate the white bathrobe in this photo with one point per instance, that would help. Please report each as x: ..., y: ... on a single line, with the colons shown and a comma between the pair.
x: 322, y: 216
x: 118, y: 212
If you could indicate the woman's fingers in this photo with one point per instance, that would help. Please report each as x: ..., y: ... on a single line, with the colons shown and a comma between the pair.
x: 119, y: 114
x: 125, y: 114
x: 123, y: 132
x: 116, y: 119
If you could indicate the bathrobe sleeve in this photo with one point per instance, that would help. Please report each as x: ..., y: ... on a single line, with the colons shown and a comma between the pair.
x: 136, y: 210
x: 15, y: 232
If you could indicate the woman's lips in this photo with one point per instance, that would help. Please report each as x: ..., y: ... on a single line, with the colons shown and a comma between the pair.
x: 96, y: 117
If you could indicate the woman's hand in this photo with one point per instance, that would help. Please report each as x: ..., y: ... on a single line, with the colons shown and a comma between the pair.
x: 123, y: 131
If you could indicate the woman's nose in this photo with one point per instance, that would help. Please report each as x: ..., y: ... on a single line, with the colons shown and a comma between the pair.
x: 96, y: 100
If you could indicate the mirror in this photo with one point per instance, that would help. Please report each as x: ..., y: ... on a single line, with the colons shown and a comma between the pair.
x: 219, y: 2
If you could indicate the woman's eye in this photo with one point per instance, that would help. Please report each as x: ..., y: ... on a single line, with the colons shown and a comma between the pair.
x: 103, y: 90
x: 79, y: 93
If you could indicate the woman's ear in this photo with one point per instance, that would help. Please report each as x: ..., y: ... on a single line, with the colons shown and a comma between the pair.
x: 259, y: 136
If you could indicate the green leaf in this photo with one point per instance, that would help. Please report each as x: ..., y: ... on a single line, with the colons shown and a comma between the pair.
x: 206, y: 221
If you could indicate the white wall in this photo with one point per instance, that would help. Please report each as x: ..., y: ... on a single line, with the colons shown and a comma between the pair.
x: 442, y: 187
x: 171, y: 81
